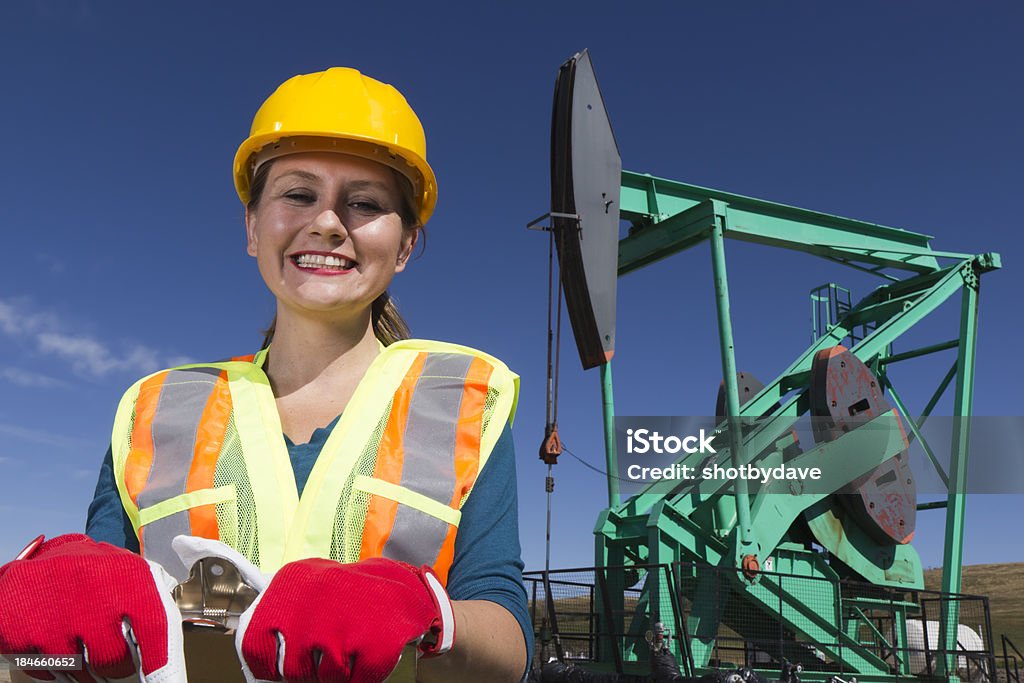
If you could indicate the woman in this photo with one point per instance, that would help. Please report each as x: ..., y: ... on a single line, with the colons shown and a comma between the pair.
x: 395, y: 467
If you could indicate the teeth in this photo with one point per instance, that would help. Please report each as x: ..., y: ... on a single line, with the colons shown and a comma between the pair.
x: 322, y: 261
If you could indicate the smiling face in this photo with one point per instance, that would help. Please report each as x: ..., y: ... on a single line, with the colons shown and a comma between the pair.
x: 326, y: 233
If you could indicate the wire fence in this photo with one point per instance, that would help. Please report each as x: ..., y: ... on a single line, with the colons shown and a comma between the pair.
x: 719, y: 620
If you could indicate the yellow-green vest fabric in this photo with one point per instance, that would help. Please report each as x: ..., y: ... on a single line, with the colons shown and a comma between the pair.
x: 199, y: 450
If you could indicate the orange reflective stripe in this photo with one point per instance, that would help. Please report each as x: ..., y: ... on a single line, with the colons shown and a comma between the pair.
x: 391, y: 442
x: 380, y: 512
x: 244, y: 359
x: 470, y: 429
x: 444, y: 560
x: 380, y: 518
x: 210, y: 433
x: 140, y: 458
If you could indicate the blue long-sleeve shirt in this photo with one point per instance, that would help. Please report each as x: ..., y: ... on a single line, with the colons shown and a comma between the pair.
x: 487, y: 563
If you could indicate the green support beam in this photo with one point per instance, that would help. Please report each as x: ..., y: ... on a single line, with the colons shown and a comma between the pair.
x: 747, y: 543
x: 676, y: 233
x: 952, y: 559
x: 649, y: 202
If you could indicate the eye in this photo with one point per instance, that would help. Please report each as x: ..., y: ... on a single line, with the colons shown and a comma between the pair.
x: 365, y: 206
x: 300, y: 196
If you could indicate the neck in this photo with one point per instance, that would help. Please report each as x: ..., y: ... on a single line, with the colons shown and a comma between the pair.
x: 308, y: 350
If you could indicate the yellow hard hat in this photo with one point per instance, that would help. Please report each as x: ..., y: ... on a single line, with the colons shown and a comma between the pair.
x: 339, y: 110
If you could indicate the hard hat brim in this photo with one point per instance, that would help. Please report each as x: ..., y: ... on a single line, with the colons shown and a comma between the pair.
x: 426, y: 183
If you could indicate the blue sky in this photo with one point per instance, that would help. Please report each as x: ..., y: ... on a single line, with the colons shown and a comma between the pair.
x: 125, y: 248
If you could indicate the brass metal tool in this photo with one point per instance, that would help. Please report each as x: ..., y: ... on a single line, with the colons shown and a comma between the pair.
x: 210, y: 601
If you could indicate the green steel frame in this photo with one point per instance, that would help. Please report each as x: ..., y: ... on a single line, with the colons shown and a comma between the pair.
x: 721, y: 524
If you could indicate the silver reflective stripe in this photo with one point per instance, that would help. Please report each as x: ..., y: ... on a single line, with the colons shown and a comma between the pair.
x: 178, y: 411
x: 429, y: 460
x: 156, y: 542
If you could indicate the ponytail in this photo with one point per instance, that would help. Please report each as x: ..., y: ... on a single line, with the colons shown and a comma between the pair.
x: 388, y: 324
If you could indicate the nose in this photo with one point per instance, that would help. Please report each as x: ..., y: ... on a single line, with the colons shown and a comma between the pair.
x: 330, y: 226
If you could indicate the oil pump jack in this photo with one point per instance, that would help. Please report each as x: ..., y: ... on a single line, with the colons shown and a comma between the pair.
x: 828, y: 578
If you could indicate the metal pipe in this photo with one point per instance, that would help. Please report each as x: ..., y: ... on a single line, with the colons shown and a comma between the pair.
x: 923, y: 351
x: 549, y: 488
x: 915, y: 431
x: 611, y: 457
x: 732, y: 391
x: 934, y: 401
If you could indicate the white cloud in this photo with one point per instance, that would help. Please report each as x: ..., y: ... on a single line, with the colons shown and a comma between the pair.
x: 45, y: 438
x: 25, y: 378
x: 16, y: 319
x: 10, y: 322
x: 90, y: 356
x: 86, y: 354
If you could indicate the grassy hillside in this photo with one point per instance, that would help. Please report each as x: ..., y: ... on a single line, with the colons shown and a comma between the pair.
x: 1003, y: 584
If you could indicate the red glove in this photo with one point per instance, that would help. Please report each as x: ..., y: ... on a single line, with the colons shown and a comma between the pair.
x: 320, y: 620
x: 75, y: 596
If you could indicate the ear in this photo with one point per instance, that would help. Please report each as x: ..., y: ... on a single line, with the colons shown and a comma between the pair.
x: 409, y: 240
x: 250, y: 231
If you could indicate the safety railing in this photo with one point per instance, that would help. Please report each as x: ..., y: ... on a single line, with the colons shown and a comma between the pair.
x: 717, y: 620
x: 1011, y: 655
x: 603, y: 614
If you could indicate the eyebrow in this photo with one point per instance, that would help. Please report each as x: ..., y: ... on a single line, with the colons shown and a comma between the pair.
x: 304, y: 175
x: 376, y: 184
x: 355, y: 184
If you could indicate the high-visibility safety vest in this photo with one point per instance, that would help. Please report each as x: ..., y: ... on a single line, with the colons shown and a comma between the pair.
x: 198, y: 450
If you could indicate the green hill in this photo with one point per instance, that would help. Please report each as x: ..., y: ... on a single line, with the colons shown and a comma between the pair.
x: 1003, y: 585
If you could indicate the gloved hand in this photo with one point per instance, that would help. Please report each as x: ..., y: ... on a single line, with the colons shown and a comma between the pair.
x: 75, y: 596
x: 321, y: 620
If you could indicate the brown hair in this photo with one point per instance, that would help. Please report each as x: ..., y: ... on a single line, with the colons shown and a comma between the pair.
x: 388, y: 324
